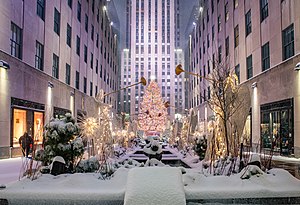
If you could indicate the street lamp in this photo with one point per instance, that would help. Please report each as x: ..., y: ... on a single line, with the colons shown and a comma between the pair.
x: 297, y: 67
x: 4, y: 64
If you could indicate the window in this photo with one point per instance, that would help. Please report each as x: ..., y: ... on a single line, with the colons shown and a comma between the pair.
x: 70, y: 3
x: 85, y: 54
x: 237, y: 72
x: 97, y: 40
x: 227, y: 46
x: 16, y: 41
x: 249, y: 67
x: 79, y: 11
x: 39, y: 56
x: 220, y: 54
x: 55, y: 66
x: 248, y: 22
x: 207, y: 40
x: 263, y: 9
x: 219, y: 23
x: 77, y: 80
x: 207, y: 16
x: 40, y: 9
x: 208, y: 67
x: 69, y: 35
x: 265, y: 56
x: 92, y: 33
x: 226, y: 12
x: 68, y: 74
x: 288, y: 42
x: 91, y: 89
x: 236, y: 3
x: 213, y: 61
x: 92, y: 60
x: 77, y: 45
x: 236, y: 36
x: 213, y: 33
x: 56, y: 21
x: 93, y: 6
x: 212, y: 6
x: 84, y: 84
x: 86, y: 25
x: 96, y: 66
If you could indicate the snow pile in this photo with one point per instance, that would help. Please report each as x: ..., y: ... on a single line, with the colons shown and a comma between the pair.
x: 279, y: 183
x: 154, y: 185
x: 66, y: 188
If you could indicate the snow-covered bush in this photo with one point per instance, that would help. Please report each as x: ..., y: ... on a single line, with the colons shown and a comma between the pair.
x: 131, y: 163
x: 154, y: 162
x: 249, y: 171
x: 60, y: 139
x: 88, y: 165
x: 200, y: 147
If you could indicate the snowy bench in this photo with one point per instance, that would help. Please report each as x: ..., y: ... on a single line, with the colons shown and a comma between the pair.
x: 154, y: 186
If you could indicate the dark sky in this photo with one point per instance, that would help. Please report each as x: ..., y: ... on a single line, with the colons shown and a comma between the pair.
x: 186, y: 7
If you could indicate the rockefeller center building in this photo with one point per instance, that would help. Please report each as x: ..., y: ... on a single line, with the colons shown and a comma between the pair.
x: 259, y: 39
x: 152, y: 50
x: 55, y: 56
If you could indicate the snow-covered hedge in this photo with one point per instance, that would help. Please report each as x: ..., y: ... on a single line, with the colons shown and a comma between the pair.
x: 88, y: 165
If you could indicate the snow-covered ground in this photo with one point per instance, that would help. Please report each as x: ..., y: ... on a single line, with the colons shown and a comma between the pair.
x: 88, y: 189
x: 10, y: 170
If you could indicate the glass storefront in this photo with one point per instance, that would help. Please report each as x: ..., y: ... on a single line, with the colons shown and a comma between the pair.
x: 60, y: 112
x: 277, y: 127
x: 27, y: 117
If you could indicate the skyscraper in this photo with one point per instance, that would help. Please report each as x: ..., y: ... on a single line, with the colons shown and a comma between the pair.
x: 152, y: 51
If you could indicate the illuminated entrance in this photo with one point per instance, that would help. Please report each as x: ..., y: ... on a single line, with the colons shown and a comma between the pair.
x: 26, y: 117
x: 277, y: 127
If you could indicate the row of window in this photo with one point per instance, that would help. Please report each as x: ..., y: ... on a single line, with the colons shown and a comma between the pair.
x: 287, y: 50
x: 16, y: 50
x: 248, y: 23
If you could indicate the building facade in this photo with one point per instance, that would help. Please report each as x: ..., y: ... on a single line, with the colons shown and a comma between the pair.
x: 60, y: 55
x: 259, y: 40
x: 152, y: 51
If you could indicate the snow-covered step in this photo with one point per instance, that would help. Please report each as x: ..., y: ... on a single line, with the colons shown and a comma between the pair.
x: 154, y: 186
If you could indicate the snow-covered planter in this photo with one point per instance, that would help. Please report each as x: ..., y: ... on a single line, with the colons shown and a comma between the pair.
x: 153, y: 149
x: 60, y: 139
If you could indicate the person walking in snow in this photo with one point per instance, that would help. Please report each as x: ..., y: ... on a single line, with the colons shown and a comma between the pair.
x: 26, y: 143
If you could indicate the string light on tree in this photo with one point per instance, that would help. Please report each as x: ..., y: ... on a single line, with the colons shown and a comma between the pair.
x: 153, y: 112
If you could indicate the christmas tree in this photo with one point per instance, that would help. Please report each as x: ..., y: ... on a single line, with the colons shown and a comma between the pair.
x: 153, y: 112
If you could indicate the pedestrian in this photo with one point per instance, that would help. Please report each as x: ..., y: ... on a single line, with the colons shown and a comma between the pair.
x: 26, y: 143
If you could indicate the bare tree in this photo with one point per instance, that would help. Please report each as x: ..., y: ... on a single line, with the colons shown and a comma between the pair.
x: 230, y: 101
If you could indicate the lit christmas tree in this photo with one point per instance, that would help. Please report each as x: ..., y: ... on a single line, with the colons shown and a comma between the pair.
x: 153, y: 112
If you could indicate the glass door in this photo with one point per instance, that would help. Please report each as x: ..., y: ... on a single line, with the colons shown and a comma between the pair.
x: 38, y: 127
x: 287, y: 143
x: 19, y: 125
